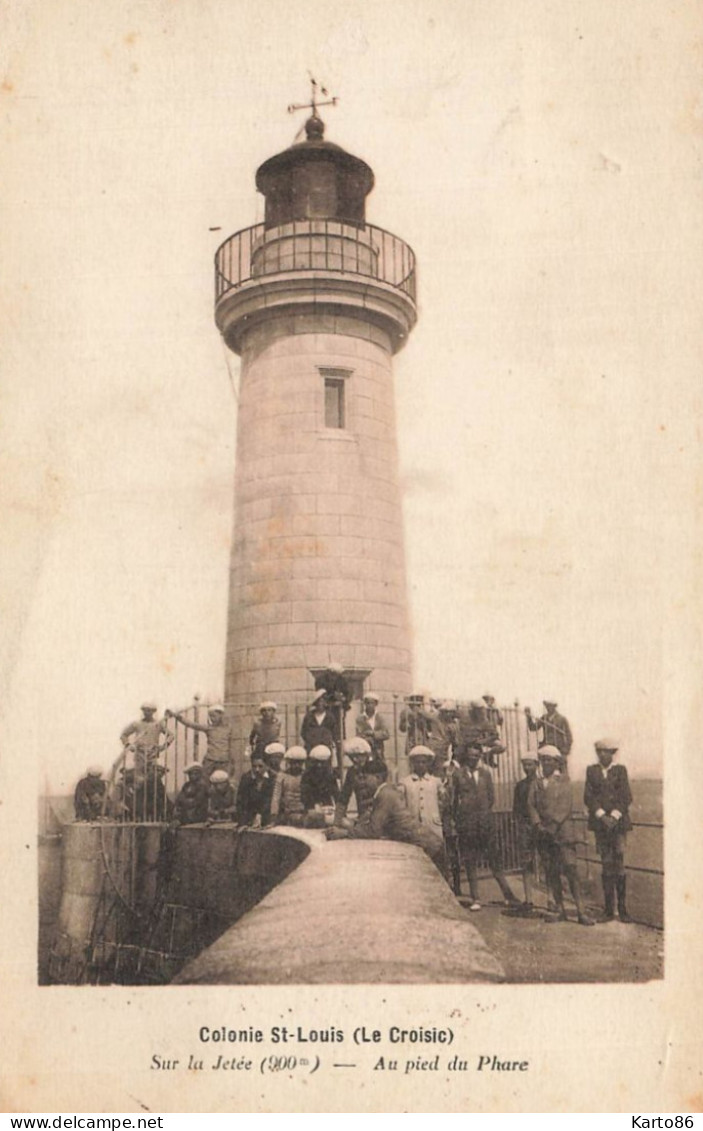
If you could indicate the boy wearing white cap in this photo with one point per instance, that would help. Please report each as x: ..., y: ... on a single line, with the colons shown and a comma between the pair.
x: 358, y: 751
x: 286, y: 804
x: 147, y: 737
x: 220, y: 739
x: 274, y: 754
x: 319, y: 788
x: 266, y: 729
x: 371, y: 726
x: 221, y: 803
x: 423, y: 792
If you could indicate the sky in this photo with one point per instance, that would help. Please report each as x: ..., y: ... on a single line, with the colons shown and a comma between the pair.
x: 542, y: 159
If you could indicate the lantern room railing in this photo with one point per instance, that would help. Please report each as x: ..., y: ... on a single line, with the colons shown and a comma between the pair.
x: 314, y: 245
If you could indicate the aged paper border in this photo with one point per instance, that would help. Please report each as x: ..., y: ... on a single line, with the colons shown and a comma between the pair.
x: 590, y: 1047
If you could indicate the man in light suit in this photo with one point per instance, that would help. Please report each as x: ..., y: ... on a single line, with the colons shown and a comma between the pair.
x: 607, y: 798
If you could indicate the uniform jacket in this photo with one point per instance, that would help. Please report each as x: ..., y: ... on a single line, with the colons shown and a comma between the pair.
x: 472, y: 800
x: 424, y: 797
x: 254, y: 798
x: 608, y: 791
x: 286, y: 801
x: 374, y: 730
x: 549, y: 803
x: 192, y: 803
x: 319, y: 733
x: 318, y: 786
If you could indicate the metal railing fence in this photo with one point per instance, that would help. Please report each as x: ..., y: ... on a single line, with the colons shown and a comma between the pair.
x: 146, y: 794
x: 142, y: 789
x: 314, y: 245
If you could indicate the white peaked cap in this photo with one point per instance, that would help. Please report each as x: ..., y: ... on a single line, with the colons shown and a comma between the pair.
x: 275, y: 748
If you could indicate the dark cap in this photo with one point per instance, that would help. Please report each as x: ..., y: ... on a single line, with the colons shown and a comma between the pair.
x: 376, y: 766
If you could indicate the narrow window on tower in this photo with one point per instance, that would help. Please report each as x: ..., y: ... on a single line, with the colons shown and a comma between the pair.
x: 334, y: 402
x: 335, y: 399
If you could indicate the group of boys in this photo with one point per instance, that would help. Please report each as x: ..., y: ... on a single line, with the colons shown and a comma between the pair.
x: 443, y: 726
x: 444, y: 805
x: 302, y: 794
x: 542, y: 807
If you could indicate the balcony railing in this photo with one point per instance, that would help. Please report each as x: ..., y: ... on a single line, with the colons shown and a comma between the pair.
x: 314, y: 245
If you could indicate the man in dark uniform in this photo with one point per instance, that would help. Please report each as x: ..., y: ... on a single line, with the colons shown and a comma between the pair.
x: 319, y: 788
x: 192, y: 801
x: 554, y: 727
x: 607, y: 798
x: 388, y: 818
x: 89, y: 795
x: 550, y: 804
x: 358, y: 751
x: 472, y: 799
x: 320, y: 725
x: 255, y: 794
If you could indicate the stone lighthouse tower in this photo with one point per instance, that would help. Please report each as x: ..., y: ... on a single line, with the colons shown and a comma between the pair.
x: 316, y: 302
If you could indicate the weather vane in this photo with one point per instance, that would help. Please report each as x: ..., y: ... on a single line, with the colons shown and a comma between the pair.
x: 313, y: 103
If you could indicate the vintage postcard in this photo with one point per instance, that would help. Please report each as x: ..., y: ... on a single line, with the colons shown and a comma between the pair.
x: 351, y: 663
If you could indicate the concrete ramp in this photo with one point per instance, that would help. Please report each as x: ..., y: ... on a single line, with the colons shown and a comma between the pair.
x: 366, y: 911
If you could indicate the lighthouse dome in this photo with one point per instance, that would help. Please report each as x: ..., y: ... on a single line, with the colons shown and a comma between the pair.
x: 314, y: 180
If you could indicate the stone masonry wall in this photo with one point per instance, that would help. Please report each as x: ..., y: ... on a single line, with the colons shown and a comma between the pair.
x: 318, y: 570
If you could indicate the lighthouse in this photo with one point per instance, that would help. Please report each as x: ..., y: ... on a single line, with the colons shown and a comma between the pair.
x: 316, y: 301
